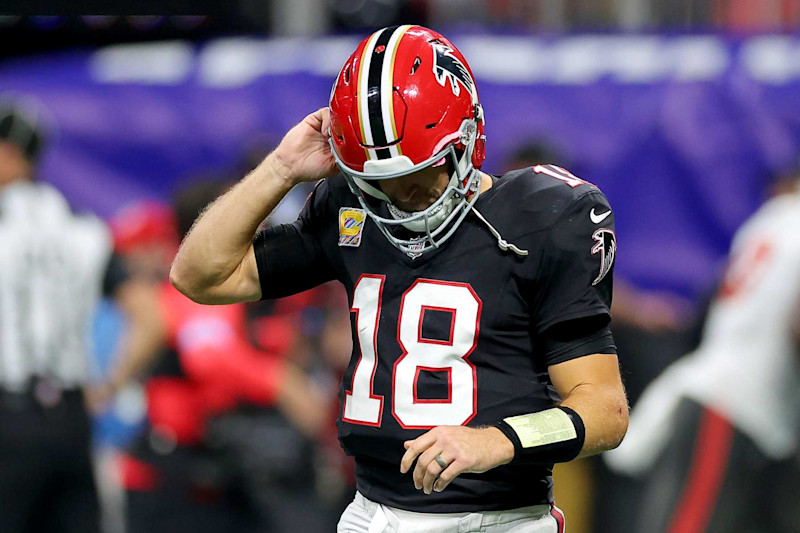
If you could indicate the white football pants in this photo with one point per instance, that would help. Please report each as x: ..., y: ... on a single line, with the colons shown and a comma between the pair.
x: 366, y: 516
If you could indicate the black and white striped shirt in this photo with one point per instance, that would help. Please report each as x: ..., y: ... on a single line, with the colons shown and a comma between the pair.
x: 52, y: 264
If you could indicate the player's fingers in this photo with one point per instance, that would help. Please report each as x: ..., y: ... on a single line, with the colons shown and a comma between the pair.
x: 326, y: 121
x: 425, y: 461
x: 409, y: 457
x: 414, y: 448
x: 449, y: 474
x: 317, y: 119
x: 434, y: 469
x: 319, y: 114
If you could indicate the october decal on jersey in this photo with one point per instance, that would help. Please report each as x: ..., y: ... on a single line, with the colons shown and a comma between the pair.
x: 351, y: 225
x: 606, y: 246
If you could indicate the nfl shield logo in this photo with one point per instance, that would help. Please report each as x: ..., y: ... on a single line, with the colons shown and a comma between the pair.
x: 351, y: 225
x: 415, y: 249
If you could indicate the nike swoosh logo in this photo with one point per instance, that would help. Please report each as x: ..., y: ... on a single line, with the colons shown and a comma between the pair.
x: 598, y: 218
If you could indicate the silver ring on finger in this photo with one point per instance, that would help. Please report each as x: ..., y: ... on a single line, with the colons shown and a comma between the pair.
x: 441, y: 462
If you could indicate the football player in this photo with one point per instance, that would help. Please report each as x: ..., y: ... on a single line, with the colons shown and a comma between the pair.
x: 728, y: 413
x: 479, y: 304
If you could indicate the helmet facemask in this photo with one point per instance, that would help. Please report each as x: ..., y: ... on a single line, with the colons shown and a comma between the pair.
x: 436, y: 223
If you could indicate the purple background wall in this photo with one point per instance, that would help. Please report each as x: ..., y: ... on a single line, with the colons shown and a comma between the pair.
x: 681, y: 133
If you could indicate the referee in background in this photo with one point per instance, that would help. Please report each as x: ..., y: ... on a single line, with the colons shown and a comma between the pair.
x: 54, y: 267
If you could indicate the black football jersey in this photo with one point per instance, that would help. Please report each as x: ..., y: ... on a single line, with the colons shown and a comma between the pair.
x: 457, y: 336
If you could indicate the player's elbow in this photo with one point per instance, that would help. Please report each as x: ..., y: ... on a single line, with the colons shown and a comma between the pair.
x: 187, y: 284
x: 620, y: 420
x: 179, y: 280
x: 611, y: 423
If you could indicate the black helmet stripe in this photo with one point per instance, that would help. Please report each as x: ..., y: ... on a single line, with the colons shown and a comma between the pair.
x: 374, y: 92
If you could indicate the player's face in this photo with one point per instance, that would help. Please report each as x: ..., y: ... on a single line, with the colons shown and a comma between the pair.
x: 419, y: 190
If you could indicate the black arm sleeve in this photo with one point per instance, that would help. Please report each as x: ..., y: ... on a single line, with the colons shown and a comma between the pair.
x: 577, y: 338
x: 289, y: 257
x: 573, y: 306
x: 289, y: 261
x: 116, y: 274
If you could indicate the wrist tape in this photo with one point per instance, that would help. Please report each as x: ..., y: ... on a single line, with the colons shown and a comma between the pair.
x: 552, y: 436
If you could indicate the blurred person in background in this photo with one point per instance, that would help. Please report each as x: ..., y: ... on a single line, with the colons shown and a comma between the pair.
x: 145, y: 240
x: 430, y: 287
x: 717, y: 433
x: 228, y: 443
x: 308, y: 479
x: 54, y: 266
x: 145, y: 237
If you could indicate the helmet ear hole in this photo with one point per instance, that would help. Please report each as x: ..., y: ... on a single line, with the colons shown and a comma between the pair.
x: 415, y: 66
x: 347, y: 76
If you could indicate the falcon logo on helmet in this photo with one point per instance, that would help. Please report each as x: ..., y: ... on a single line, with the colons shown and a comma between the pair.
x: 393, y: 114
x: 446, y: 66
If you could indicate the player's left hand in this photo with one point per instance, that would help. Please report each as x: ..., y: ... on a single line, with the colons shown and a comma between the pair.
x: 464, y: 449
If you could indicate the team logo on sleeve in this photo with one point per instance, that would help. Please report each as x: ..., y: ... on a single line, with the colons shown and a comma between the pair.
x: 351, y: 226
x: 606, y: 246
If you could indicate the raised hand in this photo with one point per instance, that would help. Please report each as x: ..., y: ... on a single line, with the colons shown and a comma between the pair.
x: 304, y: 153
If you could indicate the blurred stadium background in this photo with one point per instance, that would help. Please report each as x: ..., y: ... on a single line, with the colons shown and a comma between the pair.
x: 680, y: 111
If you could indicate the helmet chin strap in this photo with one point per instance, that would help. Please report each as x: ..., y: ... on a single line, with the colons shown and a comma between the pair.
x: 501, y: 242
x: 435, y: 219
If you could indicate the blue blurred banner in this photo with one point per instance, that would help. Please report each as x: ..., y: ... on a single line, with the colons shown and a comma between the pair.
x: 681, y: 132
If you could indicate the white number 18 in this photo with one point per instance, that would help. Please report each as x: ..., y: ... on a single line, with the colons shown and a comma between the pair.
x: 362, y: 406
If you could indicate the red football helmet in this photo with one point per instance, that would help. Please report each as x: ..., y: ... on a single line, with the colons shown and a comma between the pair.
x: 406, y: 100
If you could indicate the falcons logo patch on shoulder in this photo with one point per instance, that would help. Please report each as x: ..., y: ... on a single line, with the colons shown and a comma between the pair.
x: 446, y: 66
x: 606, y: 246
